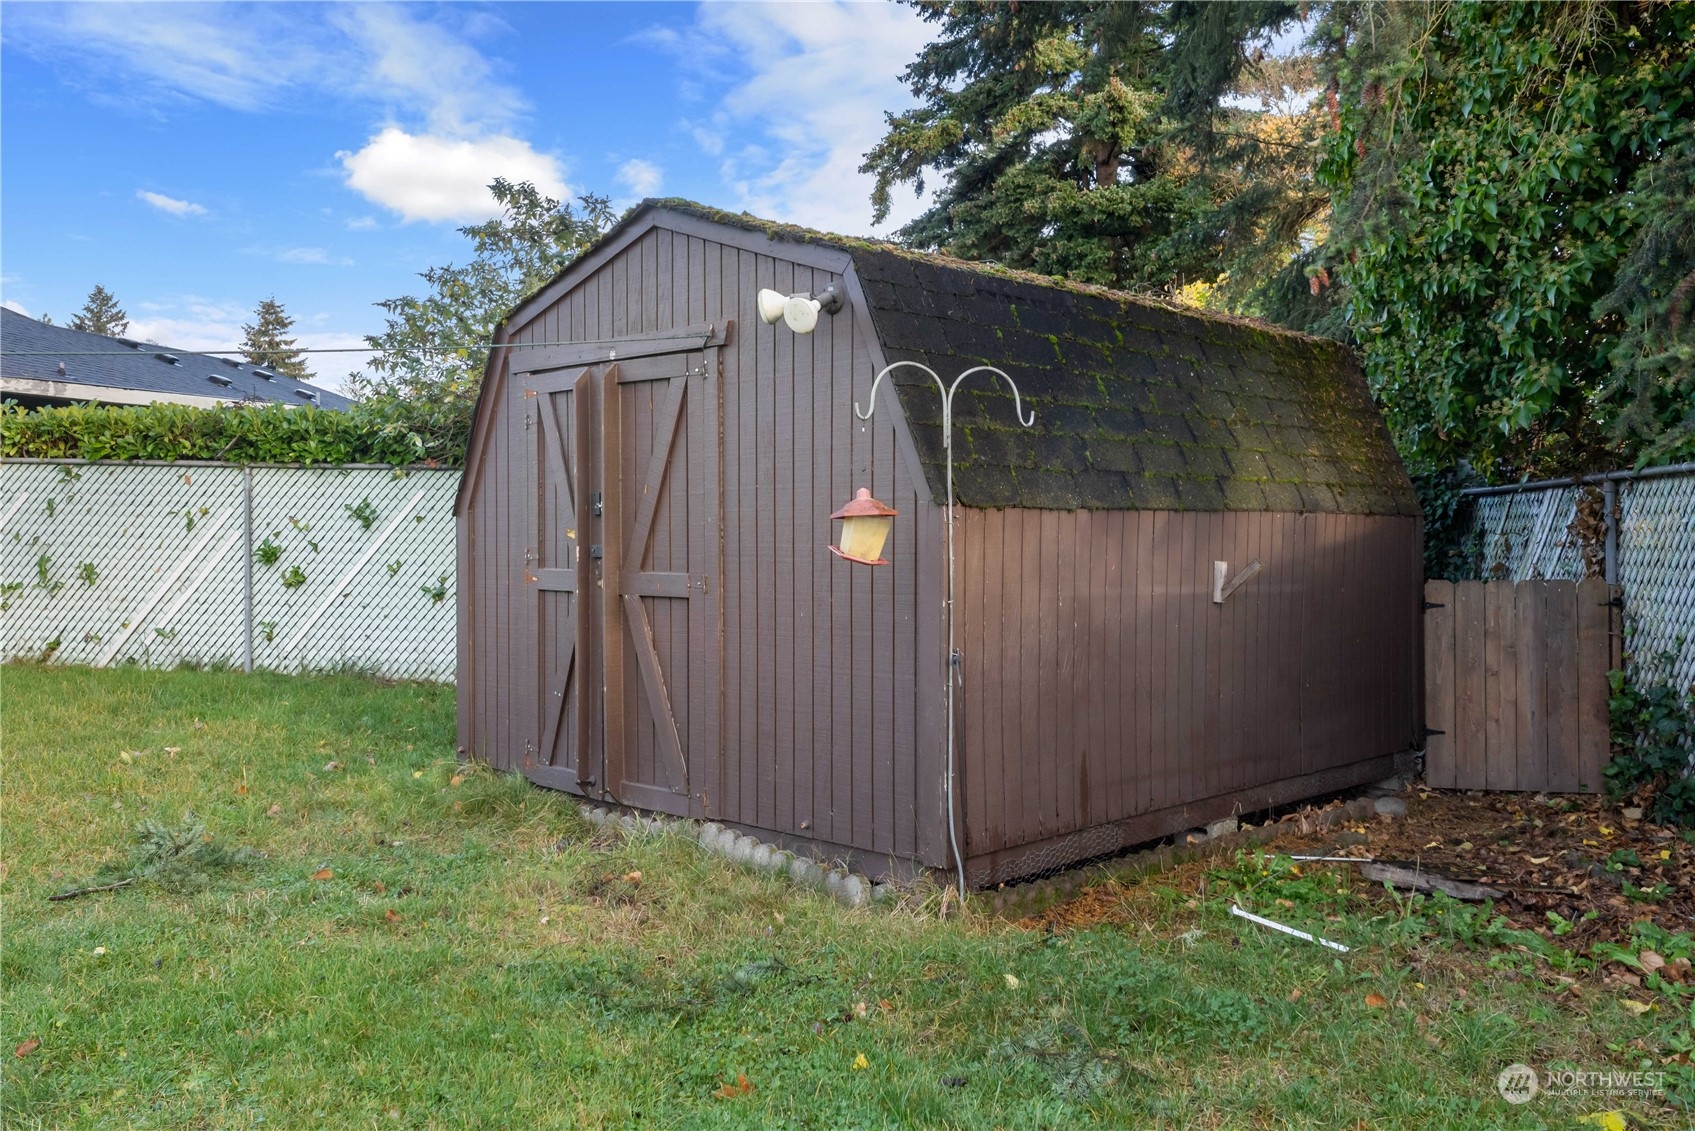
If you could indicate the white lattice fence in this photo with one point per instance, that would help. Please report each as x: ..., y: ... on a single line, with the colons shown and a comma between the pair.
x: 1527, y: 535
x: 151, y: 563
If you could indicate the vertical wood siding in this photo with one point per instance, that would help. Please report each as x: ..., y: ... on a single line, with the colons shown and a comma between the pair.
x: 824, y: 712
x: 1516, y: 681
x: 1102, y: 683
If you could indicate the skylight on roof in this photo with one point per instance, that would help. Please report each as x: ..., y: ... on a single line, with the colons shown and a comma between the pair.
x: 265, y: 373
x: 170, y: 357
x: 306, y: 395
x: 219, y: 379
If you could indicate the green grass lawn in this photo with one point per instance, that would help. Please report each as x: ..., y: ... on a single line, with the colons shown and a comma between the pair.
x: 420, y: 946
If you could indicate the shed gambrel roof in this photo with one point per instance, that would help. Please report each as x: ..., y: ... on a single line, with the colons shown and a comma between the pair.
x: 1140, y: 404
x: 33, y: 352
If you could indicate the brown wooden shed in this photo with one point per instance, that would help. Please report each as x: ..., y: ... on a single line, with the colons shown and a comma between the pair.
x: 648, y: 613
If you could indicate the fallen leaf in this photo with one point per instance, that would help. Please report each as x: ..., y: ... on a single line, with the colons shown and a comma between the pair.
x: 126, y: 757
x: 417, y: 773
x: 379, y: 887
x: 884, y: 1003
x: 1295, y: 995
x: 331, y: 767
x: 323, y: 874
x: 1538, y: 859
x: 633, y: 877
x: 27, y: 1047
x: 731, y: 1091
x: 198, y: 725
x: 860, y: 1062
x: 1464, y: 846
x: 1606, y: 1120
x: 1434, y: 844
x: 1012, y: 981
x: 1376, y: 1001
x: 1636, y: 1007
x: 1285, y: 903
x: 860, y: 1010
x: 455, y: 779
x: 173, y: 751
x: 242, y: 789
x: 1650, y: 960
x: 98, y: 951
x: 392, y: 915
x: 1665, y: 854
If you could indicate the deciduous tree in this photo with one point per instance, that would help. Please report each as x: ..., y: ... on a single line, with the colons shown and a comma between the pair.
x: 428, y: 364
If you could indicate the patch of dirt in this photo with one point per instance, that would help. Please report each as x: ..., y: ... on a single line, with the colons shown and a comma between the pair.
x: 1566, y: 854
x: 1569, y: 855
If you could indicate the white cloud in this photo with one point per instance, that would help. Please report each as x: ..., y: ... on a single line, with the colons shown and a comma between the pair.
x: 259, y: 56
x: 16, y: 306
x: 171, y: 204
x: 447, y: 115
x: 311, y: 256
x: 426, y: 177
x: 812, y: 83
x: 642, y: 178
x: 361, y: 223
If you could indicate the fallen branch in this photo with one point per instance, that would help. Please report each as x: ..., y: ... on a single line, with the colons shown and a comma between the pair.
x: 1416, y: 879
x: 74, y: 892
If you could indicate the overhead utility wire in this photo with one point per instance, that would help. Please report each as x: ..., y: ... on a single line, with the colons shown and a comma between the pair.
x: 151, y: 348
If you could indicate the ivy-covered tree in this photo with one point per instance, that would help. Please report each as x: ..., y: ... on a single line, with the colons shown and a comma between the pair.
x: 265, y: 341
x: 428, y: 362
x: 1129, y: 144
x: 100, y: 314
x: 1653, y: 305
x: 1511, y: 222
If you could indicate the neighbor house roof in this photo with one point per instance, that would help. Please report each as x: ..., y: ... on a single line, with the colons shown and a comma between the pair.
x: 58, y: 363
x: 1139, y: 403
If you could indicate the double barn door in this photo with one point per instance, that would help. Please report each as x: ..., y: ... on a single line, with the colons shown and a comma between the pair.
x: 624, y: 563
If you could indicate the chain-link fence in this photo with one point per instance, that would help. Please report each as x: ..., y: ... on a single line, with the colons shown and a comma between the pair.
x: 284, y: 568
x: 1561, y: 531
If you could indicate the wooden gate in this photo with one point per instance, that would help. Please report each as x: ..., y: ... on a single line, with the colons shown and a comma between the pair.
x: 625, y: 564
x: 1515, y: 679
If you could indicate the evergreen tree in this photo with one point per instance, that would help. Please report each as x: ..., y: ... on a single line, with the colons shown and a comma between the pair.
x: 1101, y: 141
x: 100, y: 314
x: 263, y: 343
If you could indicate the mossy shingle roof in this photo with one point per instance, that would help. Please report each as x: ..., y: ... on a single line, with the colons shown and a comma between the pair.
x: 1138, y: 404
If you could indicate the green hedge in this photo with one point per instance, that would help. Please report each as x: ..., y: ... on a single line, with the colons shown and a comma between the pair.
x: 366, y: 433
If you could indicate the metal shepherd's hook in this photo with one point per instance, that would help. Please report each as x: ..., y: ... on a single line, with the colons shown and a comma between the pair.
x: 1026, y: 419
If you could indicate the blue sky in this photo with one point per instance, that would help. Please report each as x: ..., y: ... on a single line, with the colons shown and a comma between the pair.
x: 195, y: 159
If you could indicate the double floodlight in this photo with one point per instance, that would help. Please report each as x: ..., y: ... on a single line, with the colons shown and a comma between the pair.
x: 801, y: 309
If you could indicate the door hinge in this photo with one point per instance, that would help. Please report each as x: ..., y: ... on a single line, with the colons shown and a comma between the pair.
x: 596, y: 551
x: 1428, y: 731
x: 1428, y: 605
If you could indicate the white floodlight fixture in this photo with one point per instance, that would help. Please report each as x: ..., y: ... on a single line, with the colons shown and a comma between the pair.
x: 799, y: 310
x: 771, y: 306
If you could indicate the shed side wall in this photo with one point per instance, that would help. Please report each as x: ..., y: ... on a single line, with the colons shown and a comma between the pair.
x: 1101, y: 682
x: 821, y: 692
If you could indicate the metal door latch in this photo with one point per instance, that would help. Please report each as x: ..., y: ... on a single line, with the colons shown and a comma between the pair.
x: 597, y: 504
x: 596, y: 551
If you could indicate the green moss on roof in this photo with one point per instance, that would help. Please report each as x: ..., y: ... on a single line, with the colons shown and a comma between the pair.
x: 1139, y: 403
x: 794, y: 233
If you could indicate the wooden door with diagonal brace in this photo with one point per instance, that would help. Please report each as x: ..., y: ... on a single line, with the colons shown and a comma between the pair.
x: 627, y: 571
